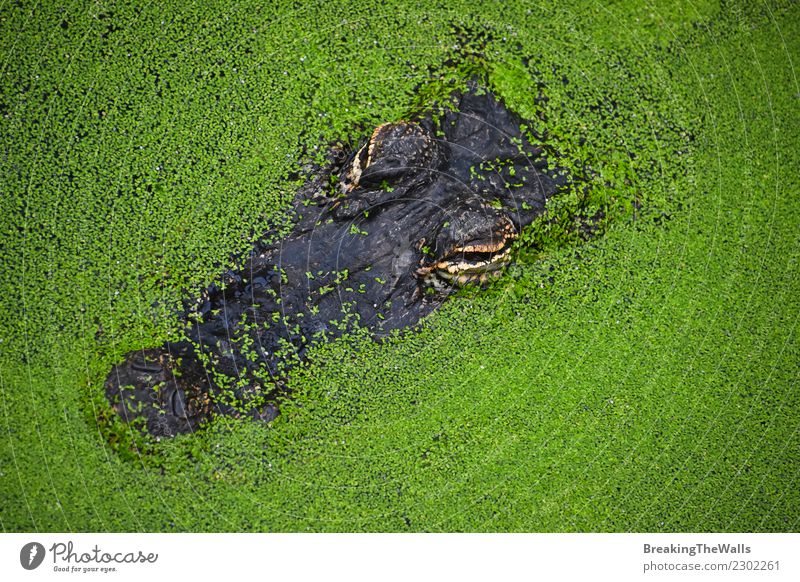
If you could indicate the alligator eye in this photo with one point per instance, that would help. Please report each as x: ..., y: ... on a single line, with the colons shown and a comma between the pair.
x: 472, y: 250
x: 393, y: 151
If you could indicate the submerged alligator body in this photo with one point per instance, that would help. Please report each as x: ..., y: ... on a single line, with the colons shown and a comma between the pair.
x: 381, y: 235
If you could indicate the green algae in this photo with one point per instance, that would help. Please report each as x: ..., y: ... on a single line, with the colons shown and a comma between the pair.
x: 644, y: 379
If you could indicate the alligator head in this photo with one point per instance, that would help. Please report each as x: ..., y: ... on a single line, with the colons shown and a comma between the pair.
x: 381, y: 236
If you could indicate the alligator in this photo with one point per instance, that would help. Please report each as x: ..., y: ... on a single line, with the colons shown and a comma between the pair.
x: 382, y: 235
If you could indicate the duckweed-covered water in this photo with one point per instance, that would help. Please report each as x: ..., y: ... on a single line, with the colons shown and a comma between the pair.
x: 644, y: 378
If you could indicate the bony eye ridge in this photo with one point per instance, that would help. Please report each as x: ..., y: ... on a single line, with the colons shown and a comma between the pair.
x: 392, y: 151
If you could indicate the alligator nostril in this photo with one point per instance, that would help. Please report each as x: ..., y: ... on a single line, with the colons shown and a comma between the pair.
x: 179, y: 404
x: 142, y: 364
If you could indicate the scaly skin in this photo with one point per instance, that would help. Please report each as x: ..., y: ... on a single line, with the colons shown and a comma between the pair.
x: 422, y: 206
